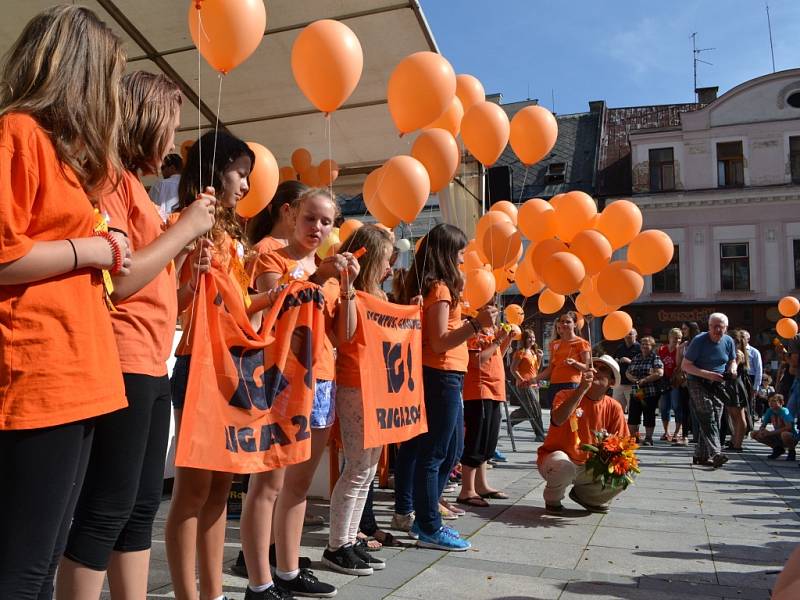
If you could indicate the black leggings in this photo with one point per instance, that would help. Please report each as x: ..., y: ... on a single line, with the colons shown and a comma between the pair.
x: 481, y: 430
x: 125, y: 477
x: 41, y: 471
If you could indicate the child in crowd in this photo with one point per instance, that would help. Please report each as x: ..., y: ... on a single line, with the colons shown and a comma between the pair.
x: 525, y: 367
x: 272, y: 228
x: 434, y: 276
x: 763, y: 394
x: 284, y: 490
x: 784, y: 432
x: 352, y: 487
x: 59, y: 121
x: 113, y: 521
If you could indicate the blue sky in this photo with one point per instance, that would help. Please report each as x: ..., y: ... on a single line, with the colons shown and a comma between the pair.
x: 626, y: 52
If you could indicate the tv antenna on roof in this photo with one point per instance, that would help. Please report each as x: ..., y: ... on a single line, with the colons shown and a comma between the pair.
x: 696, y: 53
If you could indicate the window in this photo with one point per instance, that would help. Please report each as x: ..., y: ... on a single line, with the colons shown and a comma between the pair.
x: 796, y: 244
x: 794, y: 158
x: 662, y: 170
x: 555, y: 172
x: 730, y: 164
x: 669, y: 280
x: 734, y: 267
x: 794, y: 100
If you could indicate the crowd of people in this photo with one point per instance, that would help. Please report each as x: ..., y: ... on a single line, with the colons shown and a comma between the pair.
x: 94, y: 277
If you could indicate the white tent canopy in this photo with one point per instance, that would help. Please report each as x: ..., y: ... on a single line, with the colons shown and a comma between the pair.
x: 260, y: 100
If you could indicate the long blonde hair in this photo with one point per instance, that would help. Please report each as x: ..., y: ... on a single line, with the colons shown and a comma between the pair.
x: 64, y: 71
x: 376, y: 241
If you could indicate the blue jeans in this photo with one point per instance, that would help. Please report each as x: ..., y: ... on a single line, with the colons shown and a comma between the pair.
x: 404, y: 466
x: 437, y: 448
x: 671, y: 400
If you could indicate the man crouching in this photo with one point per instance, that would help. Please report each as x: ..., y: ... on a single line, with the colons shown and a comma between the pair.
x: 575, y: 416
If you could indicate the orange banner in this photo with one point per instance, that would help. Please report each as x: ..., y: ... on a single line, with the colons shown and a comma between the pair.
x: 391, y: 373
x: 249, y: 395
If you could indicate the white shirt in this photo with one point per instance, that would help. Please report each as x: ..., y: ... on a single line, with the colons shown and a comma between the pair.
x: 164, y: 193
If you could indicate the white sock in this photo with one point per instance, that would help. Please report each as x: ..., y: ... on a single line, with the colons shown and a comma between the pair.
x: 260, y: 588
x: 287, y: 575
x: 220, y: 597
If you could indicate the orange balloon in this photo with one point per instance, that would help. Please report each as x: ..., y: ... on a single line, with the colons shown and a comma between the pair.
x: 185, y: 147
x: 472, y: 260
x: 469, y: 90
x: 484, y: 130
x: 592, y: 248
x: 527, y: 280
x: 786, y: 328
x: 514, y: 314
x: 309, y: 176
x: 263, y: 182
x: 617, y: 325
x: 507, y: 207
x: 327, y: 172
x: 286, y: 174
x: 533, y: 134
x: 487, y: 220
x: 479, y: 288
x: 574, y: 213
x: 582, y: 304
x: 501, y: 280
x: 542, y: 251
x: 620, y: 222
x: 516, y: 332
x: 326, y: 63
x: 437, y: 150
x: 556, y: 200
x: 788, y: 306
x: 449, y: 120
x: 537, y: 220
x: 619, y: 283
x: 550, y: 302
x: 418, y: 243
x: 579, y: 322
x: 563, y: 272
x: 500, y: 244
x: 231, y: 30
x: 651, y: 251
x: 405, y: 187
x: 301, y: 160
x: 348, y: 228
x: 372, y: 199
x: 421, y: 88
x: 597, y: 306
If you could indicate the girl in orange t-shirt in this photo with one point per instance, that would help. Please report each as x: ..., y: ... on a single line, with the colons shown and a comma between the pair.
x: 59, y: 365
x: 285, y: 489
x: 272, y: 228
x: 196, y: 520
x: 525, y: 367
x: 424, y: 463
x: 350, y: 493
x: 126, y: 466
x: 484, y: 391
x: 570, y: 355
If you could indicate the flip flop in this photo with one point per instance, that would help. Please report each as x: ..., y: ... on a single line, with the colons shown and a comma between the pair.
x: 496, y: 495
x: 388, y: 539
x: 475, y: 501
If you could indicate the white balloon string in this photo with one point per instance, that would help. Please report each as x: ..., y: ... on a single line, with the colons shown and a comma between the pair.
x: 216, y: 128
x: 522, y: 189
x: 329, y: 135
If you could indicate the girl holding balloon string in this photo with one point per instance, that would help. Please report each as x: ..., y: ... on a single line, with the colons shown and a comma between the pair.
x: 570, y: 355
x: 284, y: 490
x: 435, y: 276
x: 197, y: 516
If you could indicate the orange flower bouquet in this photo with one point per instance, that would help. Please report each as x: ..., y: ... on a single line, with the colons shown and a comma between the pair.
x: 613, y: 459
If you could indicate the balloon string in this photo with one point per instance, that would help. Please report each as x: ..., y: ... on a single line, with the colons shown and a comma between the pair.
x: 524, y: 180
x: 216, y: 127
x: 329, y: 135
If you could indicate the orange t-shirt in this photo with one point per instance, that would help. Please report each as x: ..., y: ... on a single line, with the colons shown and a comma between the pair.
x: 560, y: 351
x: 486, y: 381
x: 144, y: 323
x: 265, y: 246
x: 605, y: 413
x: 455, y: 359
x: 348, y: 369
x: 528, y: 364
x: 278, y: 261
x: 58, y: 358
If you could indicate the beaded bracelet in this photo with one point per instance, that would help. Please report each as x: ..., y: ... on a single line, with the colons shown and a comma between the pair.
x: 116, y: 251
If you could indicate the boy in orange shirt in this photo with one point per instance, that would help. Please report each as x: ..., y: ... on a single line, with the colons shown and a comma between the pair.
x: 581, y: 411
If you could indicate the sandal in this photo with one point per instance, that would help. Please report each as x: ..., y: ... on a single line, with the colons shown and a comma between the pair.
x: 474, y: 501
x: 495, y: 495
x: 370, y: 545
x: 385, y: 538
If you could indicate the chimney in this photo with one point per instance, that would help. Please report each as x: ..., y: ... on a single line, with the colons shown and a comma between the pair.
x: 597, y: 106
x: 706, y: 95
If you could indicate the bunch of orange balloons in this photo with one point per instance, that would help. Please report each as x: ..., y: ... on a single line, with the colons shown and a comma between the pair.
x: 788, y: 306
x: 303, y: 169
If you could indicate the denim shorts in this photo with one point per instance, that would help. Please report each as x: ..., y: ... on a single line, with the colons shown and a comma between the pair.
x: 179, y: 381
x: 323, y: 411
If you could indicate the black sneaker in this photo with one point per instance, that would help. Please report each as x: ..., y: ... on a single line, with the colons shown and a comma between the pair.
x: 306, y: 584
x: 303, y: 562
x: 378, y: 564
x: 791, y: 455
x: 271, y: 593
x: 346, y: 560
x: 776, y: 452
